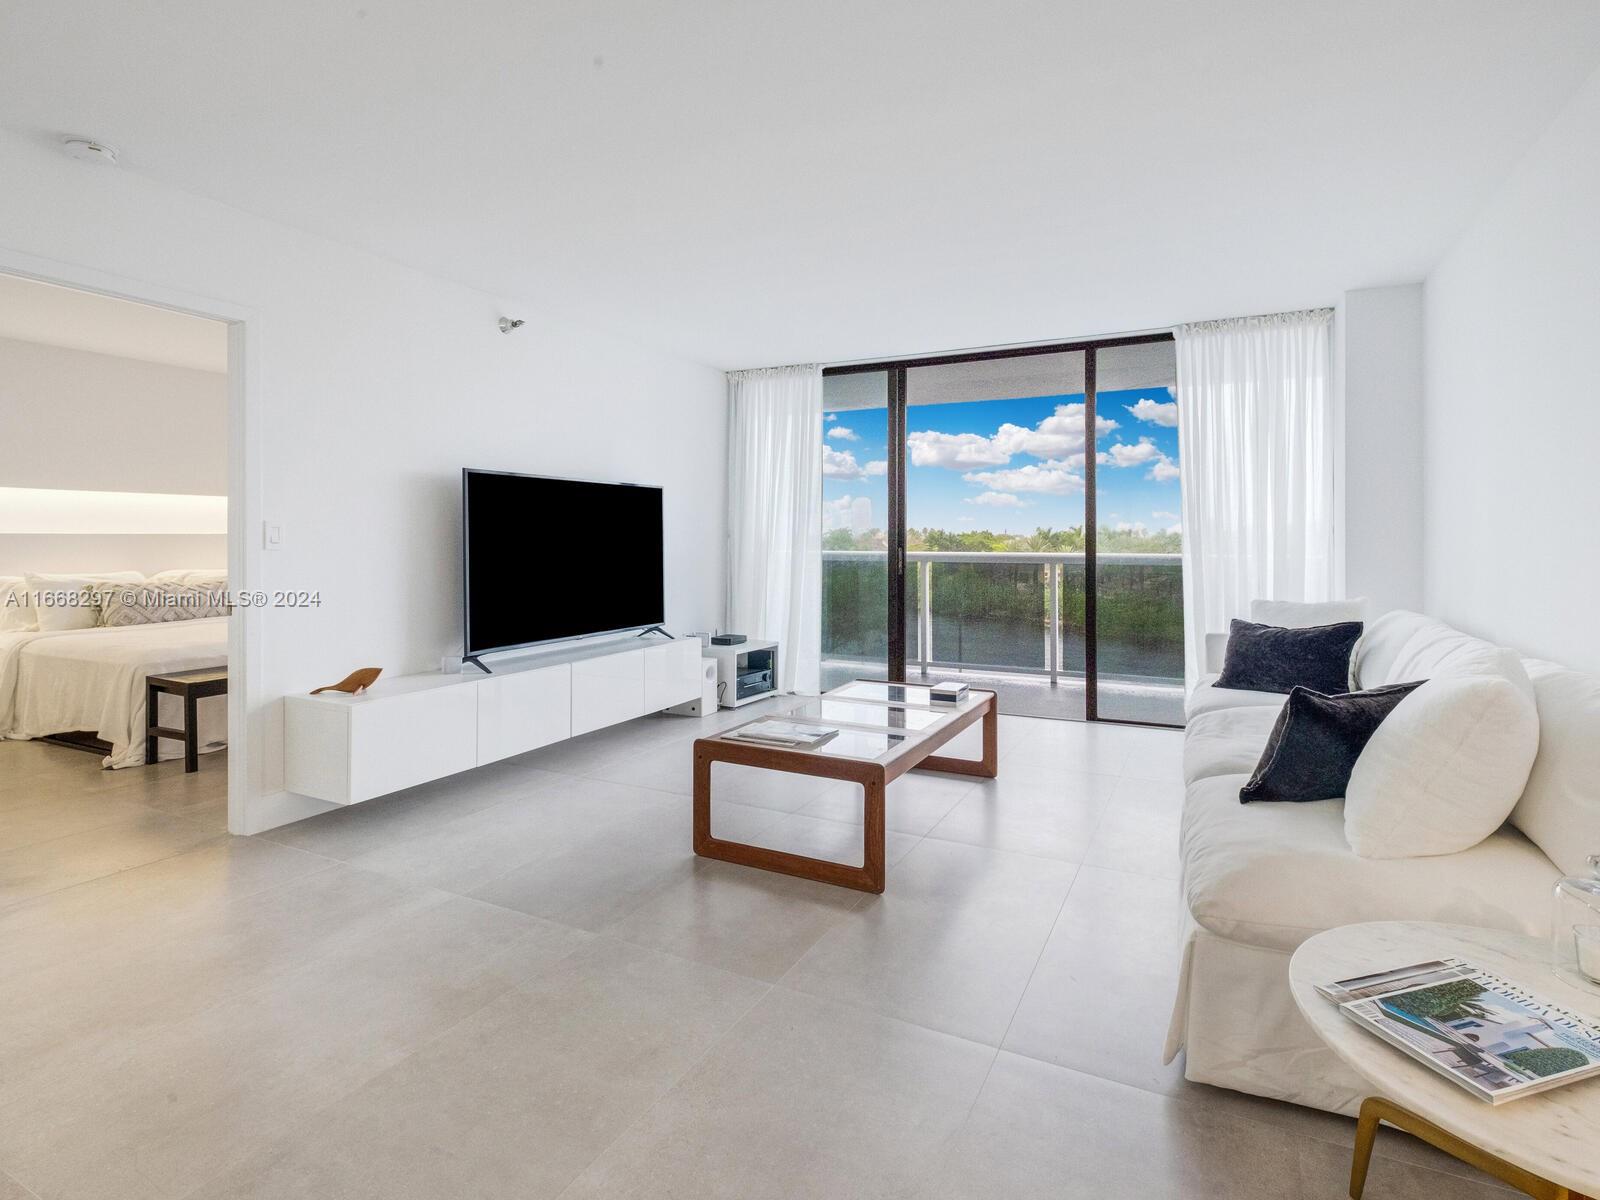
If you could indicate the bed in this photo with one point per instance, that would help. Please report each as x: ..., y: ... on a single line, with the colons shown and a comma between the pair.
x: 93, y: 680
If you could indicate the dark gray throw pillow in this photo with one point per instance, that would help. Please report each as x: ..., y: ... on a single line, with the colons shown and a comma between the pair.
x: 1269, y: 658
x: 1316, y: 741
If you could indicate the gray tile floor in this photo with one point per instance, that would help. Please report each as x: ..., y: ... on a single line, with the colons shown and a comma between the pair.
x: 521, y: 983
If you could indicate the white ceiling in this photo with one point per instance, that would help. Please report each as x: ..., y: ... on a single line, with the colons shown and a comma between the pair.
x: 760, y: 181
x: 61, y: 316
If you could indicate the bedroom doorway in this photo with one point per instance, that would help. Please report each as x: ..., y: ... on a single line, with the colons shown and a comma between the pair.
x: 115, y: 553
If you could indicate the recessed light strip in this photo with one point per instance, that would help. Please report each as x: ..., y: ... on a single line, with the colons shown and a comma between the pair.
x: 60, y: 511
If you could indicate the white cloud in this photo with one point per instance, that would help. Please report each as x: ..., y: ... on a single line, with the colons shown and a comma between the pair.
x: 1175, y: 527
x: 1164, y: 470
x: 1059, y: 434
x: 841, y: 464
x: 1124, y: 454
x: 998, y: 500
x: 966, y: 520
x: 830, y: 416
x: 1050, y: 478
x: 847, y: 512
x: 1056, y: 437
x: 843, y: 434
x: 1131, y: 527
x: 1155, y: 412
x: 954, y: 450
x: 1164, y: 516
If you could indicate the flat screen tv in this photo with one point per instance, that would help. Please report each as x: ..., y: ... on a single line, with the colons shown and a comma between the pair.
x: 547, y: 559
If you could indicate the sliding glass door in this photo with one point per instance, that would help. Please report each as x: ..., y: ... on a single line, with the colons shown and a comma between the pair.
x: 1138, y: 564
x: 1010, y: 519
x: 855, y: 524
x: 994, y: 523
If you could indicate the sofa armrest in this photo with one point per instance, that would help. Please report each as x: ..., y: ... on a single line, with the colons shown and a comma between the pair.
x: 1216, y: 651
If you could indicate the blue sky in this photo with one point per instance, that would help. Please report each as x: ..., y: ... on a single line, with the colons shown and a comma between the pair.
x: 1007, y: 465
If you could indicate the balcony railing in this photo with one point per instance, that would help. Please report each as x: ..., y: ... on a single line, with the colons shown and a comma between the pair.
x: 1010, y: 613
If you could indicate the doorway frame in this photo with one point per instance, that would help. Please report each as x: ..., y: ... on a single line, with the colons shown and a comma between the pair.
x: 246, y: 705
x: 895, y: 393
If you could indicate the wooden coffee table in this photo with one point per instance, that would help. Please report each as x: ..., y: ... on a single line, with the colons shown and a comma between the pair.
x: 885, y: 730
x: 1544, y: 1145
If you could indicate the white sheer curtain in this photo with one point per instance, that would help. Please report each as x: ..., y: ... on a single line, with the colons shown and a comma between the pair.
x: 1255, y: 438
x: 775, y: 516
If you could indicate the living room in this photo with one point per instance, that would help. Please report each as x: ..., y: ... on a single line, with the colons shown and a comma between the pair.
x: 1025, y: 351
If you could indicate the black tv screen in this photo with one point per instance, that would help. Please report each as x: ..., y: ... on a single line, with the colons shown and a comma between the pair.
x: 557, y: 558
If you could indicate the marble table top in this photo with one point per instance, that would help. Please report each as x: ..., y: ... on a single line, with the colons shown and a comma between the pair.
x: 1554, y: 1134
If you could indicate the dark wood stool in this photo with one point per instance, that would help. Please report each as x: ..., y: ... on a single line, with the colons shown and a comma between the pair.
x: 191, y: 686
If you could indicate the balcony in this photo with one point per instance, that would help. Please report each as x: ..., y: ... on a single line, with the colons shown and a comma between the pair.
x: 1014, y: 622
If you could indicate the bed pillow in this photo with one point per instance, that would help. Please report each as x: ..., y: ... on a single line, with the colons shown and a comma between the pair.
x: 24, y: 617
x: 1444, y: 770
x: 1316, y: 741
x: 16, y: 615
x: 194, y: 576
x: 1268, y: 658
x: 155, y: 603
x: 63, y: 602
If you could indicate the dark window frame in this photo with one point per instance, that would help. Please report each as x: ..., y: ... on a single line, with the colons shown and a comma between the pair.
x: 895, y: 372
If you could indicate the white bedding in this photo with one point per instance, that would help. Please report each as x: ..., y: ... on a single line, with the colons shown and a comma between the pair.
x: 93, y: 679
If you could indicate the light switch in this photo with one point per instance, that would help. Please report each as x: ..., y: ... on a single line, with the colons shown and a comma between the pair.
x: 271, y: 535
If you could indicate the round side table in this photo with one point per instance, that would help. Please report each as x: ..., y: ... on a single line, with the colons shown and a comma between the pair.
x: 1546, y: 1145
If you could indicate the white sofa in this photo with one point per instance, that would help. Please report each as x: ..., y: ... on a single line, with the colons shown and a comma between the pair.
x: 1259, y: 879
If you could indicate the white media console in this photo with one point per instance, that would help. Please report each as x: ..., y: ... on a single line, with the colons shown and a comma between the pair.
x: 415, y: 728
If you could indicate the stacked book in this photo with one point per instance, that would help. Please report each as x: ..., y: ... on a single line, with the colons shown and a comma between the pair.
x: 772, y: 732
x: 1496, y: 1040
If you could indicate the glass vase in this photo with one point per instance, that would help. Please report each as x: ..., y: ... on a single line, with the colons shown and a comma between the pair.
x: 1575, y: 928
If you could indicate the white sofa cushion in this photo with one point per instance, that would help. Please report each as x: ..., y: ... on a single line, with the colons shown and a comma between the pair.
x: 1208, y: 697
x: 1560, y: 806
x: 1381, y: 644
x: 1227, y: 741
x: 1294, y: 614
x: 1404, y: 647
x: 1445, y: 768
x: 1274, y: 874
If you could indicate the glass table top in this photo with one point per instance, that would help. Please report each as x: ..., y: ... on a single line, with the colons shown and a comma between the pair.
x: 874, y: 719
x: 884, y: 693
x: 830, y: 711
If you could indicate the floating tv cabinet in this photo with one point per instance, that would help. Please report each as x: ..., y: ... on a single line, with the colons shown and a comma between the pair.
x: 415, y: 728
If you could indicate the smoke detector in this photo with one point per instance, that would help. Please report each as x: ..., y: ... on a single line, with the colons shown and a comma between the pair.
x: 90, y: 151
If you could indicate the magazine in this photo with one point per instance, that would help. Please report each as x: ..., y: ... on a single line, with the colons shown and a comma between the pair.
x: 793, y: 734
x: 1496, y: 1040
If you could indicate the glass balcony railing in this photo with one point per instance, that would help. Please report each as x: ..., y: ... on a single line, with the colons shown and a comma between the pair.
x: 1013, y: 614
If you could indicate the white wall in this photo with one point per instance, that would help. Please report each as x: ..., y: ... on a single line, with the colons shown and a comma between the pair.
x: 375, y: 385
x: 1380, y: 356
x: 99, y: 422
x: 1511, y: 414
x: 103, y: 423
